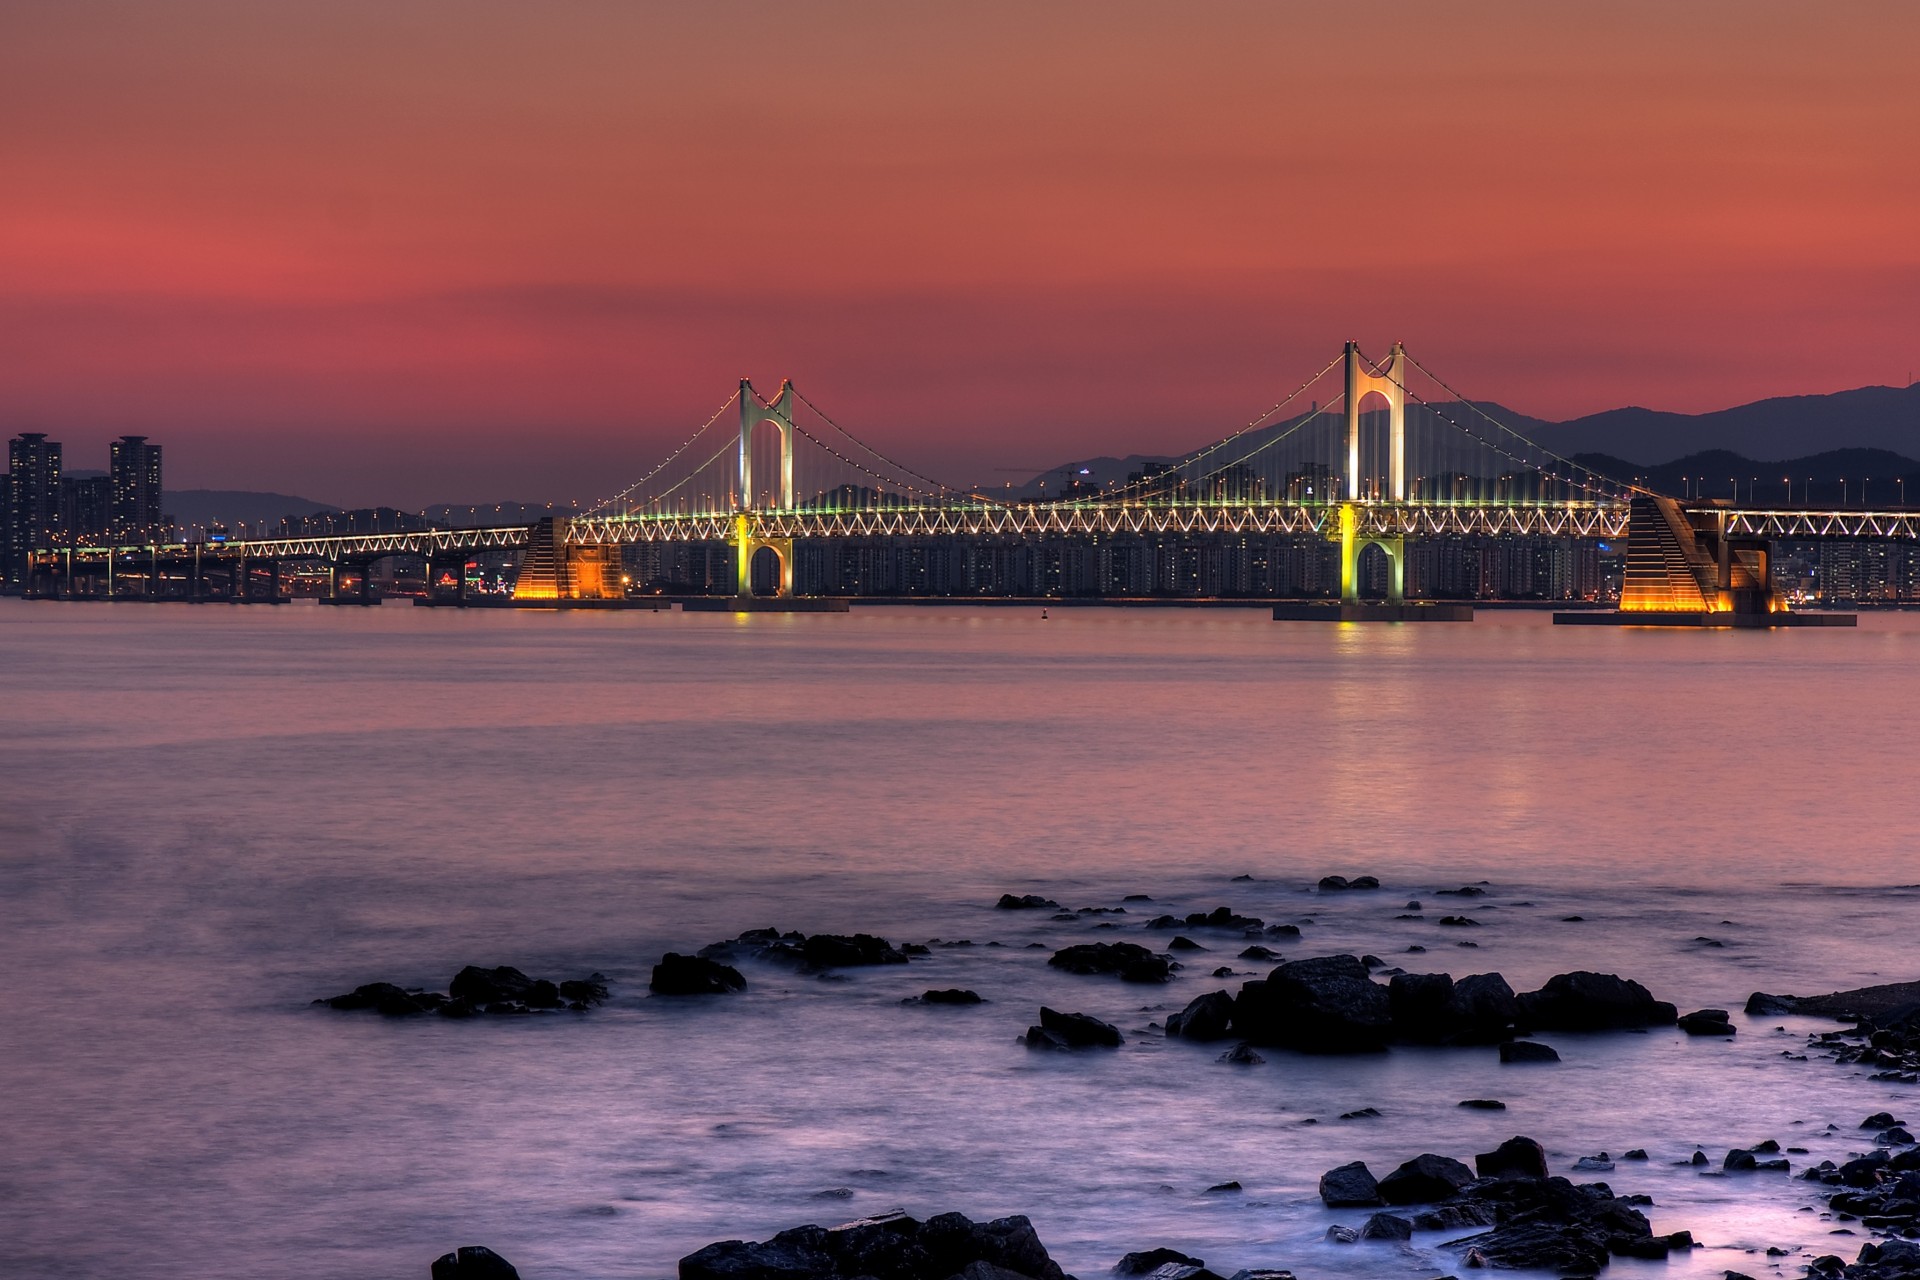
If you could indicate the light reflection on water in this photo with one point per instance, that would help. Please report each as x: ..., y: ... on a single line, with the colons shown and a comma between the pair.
x: 217, y: 814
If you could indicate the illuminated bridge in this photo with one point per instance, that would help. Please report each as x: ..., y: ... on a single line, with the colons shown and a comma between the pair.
x: 1376, y: 464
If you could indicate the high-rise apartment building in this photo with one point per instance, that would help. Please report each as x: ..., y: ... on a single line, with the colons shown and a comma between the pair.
x: 133, y: 466
x: 33, y: 506
x: 86, y: 505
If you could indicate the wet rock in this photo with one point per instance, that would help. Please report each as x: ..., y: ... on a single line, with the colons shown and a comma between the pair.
x: 1149, y: 1260
x: 840, y: 951
x: 1455, y: 1215
x: 1183, y: 943
x: 1528, y: 1051
x: 1223, y: 918
x: 1224, y: 971
x: 1364, y: 883
x: 583, y: 993
x: 1601, y: 1163
x: 1258, y: 952
x: 1431, y: 1008
x: 1586, y: 1001
x: 1425, y: 1179
x: 1386, y: 1226
x: 1206, y: 1017
x: 1325, y: 1005
x: 1283, y: 931
x: 1241, y: 1055
x: 1707, y: 1022
x: 1878, y: 1120
x: 1026, y: 902
x: 1334, y: 884
x: 1342, y: 1235
x: 502, y: 985
x: 1638, y: 1153
x: 1464, y: 891
x: 947, y: 995
x: 1517, y: 1157
x: 382, y: 997
x: 1072, y: 1031
x: 678, y: 975
x: 888, y: 1247
x: 1223, y: 1187
x: 1364, y: 1113
x: 1484, y: 1104
x: 1128, y: 961
x: 473, y: 1262
x: 1351, y: 1186
x: 1747, y: 1162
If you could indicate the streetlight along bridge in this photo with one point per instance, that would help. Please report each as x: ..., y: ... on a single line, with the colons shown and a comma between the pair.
x: 1376, y: 465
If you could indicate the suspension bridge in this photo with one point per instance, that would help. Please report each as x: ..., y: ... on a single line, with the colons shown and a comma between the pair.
x: 1375, y: 464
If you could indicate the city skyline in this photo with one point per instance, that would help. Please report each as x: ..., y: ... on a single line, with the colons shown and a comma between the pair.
x: 499, y: 255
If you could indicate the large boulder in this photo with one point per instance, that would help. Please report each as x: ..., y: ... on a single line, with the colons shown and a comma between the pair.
x: 1324, y: 1005
x: 1128, y: 961
x: 1206, y: 1017
x: 678, y: 975
x: 1586, y: 1001
x: 1351, y: 1186
x: 1425, y: 1179
x: 473, y: 1262
x: 1515, y: 1158
x: 1072, y: 1031
x: 1431, y: 1008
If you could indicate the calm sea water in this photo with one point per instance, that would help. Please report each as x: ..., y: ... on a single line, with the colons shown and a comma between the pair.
x: 209, y: 816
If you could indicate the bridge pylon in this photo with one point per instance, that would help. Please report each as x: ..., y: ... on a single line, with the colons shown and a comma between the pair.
x: 1362, y: 382
x: 753, y: 412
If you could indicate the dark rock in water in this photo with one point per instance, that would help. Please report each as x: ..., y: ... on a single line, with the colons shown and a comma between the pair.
x: 1386, y: 1226
x: 1601, y: 1163
x: 473, y: 1262
x: 1351, y: 1186
x: 1223, y: 918
x: 1150, y: 1260
x: 581, y: 993
x: 1638, y: 1153
x: 1241, y: 1055
x: 1364, y: 1113
x: 1528, y: 1051
x: 1585, y: 1001
x: 1517, y: 1157
x: 841, y: 951
x: 1206, y: 1017
x: 1461, y: 922
x: 1862, y: 1002
x: 1432, y: 1008
x: 1878, y: 1120
x: 382, y: 997
x: 678, y: 975
x: 948, y: 995
x: 1258, y: 952
x: 1224, y: 971
x: 1573, y: 919
x: 915, y: 949
x: 889, y: 1247
x: 1283, y: 931
x: 1425, y: 1179
x: 1219, y: 1187
x: 1373, y: 962
x: 834, y: 1193
x: 1485, y: 1104
x: 1342, y: 1235
x: 1026, y: 902
x: 1894, y: 1137
x: 1331, y: 884
x: 501, y: 985
x: 1707, y: 1022
x: 1128, y: 961
x: 1183, y: 943
x: 1072, y: 1031
x: 1747, y: 1162
x: 1364, y: 882
x: 1325, y: 1005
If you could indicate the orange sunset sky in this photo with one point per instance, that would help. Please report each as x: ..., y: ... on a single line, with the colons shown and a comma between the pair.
x: 409, y: 252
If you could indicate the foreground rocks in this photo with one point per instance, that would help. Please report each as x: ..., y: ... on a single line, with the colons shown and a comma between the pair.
x: 891, y: 1246
x: 1887, y: 1040
x: 678, y: 975
x: 1128, y: 961
x: 1332, y: 1004
x: 503, y: 990
x: 1538, y: 1222
x: 1072, y: 1031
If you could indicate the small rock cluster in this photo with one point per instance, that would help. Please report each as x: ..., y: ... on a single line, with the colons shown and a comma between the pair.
x: 1332, y: 1005
x: 1882, y: 1187
x: 1537, y: 1221
x: 498, y: 991
x: 811, y: 953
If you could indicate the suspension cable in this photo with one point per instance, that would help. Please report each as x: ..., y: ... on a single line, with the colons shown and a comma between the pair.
x: 668, y: 460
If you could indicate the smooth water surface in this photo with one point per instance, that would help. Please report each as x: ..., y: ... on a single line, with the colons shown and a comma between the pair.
x: 211, y: 815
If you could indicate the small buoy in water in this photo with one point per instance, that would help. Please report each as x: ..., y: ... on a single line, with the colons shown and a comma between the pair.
x: 1043, y: 615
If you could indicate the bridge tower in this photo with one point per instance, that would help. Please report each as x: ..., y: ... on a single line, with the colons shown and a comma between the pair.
x: 753, y: 412
x: 1362, y: 382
